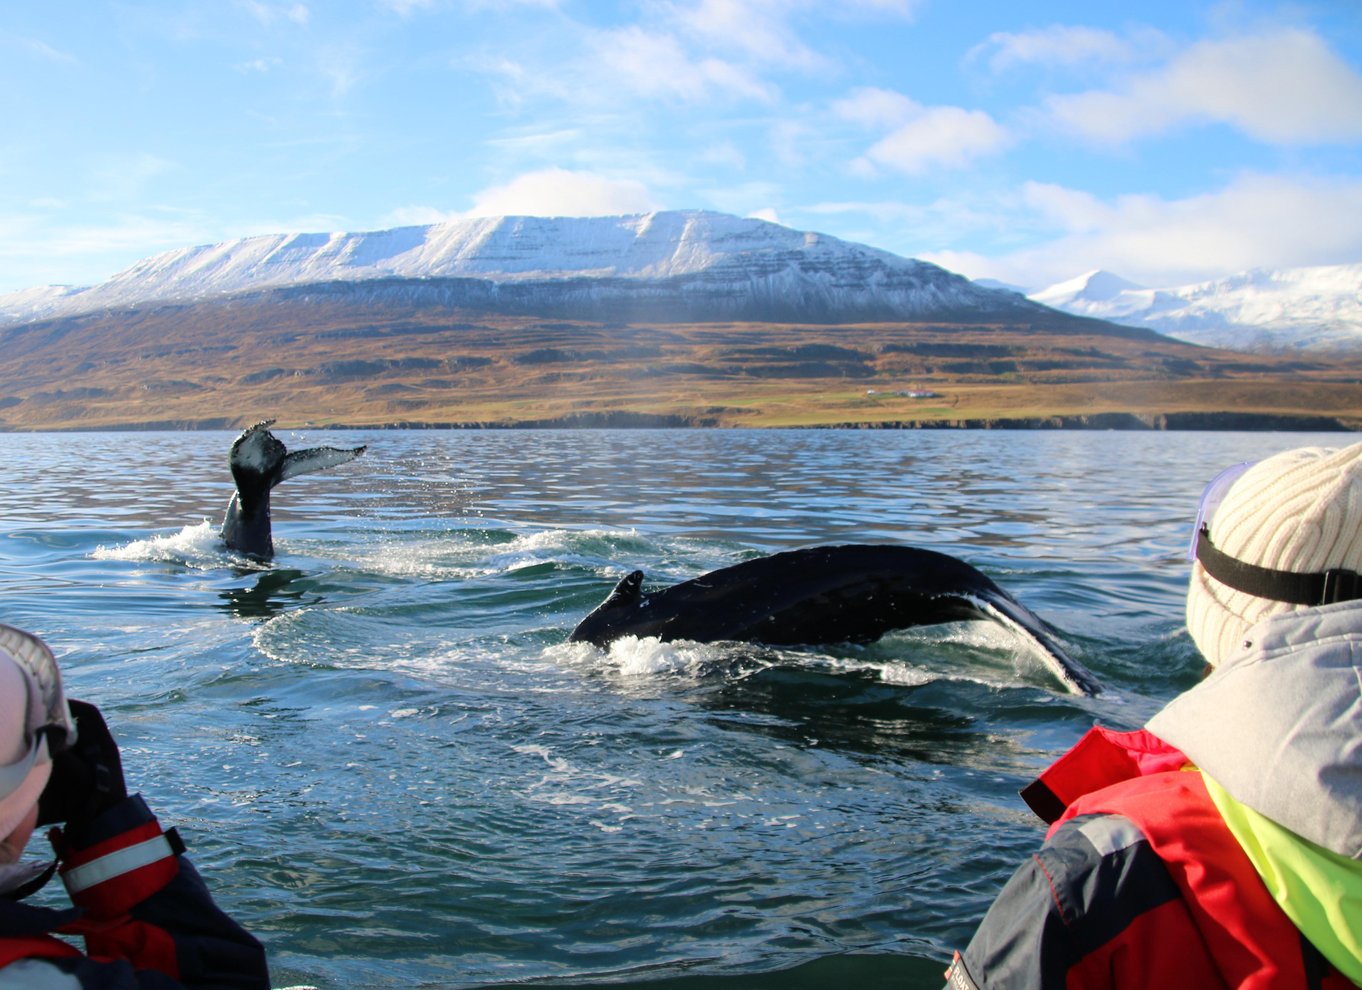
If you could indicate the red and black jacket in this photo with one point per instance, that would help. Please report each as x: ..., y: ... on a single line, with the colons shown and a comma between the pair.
x: 1139, y: 884
x: 146, y: 917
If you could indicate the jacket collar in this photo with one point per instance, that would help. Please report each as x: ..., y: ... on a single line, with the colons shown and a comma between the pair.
x: 1279, y: 724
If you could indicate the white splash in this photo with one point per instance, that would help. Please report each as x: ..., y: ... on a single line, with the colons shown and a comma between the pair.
x: 641, y: 659
x: 196, y: 545
x: 461, y: 555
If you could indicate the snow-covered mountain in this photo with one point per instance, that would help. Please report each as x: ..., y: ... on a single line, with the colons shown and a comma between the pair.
x: 684, y: 263
x: 28, y: 304
x: 1315, y: 309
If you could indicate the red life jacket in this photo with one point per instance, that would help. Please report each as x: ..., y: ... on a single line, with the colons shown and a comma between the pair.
x: 1250, y: 940
x: 33, y: 947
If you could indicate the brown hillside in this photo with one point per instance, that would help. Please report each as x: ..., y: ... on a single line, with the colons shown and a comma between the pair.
x: 339, y: 362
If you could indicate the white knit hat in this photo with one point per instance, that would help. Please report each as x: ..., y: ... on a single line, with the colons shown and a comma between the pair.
x: 1298, y: 511
x: 18, y: 698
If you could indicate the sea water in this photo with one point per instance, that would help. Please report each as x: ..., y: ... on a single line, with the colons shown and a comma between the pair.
x: 392, y: 767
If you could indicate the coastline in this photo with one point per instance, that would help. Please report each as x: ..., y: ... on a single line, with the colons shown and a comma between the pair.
x: 1236, y: 422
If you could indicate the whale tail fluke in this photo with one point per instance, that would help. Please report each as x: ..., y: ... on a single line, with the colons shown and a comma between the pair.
x: 317, y: 459
x: 1029, y: 627
x: 259, y: 458
x: 259, y: 461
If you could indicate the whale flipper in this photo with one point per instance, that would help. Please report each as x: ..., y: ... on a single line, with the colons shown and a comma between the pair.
x: 259, y: 461
x: 851, y: 593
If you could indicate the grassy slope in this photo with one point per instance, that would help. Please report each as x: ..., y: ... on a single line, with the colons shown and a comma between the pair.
x: 337, y: 363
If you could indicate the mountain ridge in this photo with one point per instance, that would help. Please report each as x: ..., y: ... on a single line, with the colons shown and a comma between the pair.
x: 692, y: 264
x: 678, y: 318
x: 1310, y: 308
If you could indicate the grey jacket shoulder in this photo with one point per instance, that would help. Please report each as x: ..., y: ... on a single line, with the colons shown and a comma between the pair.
x: 1279, y: 724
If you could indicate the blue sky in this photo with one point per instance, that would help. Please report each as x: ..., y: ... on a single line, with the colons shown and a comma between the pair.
x: 1029, y: 142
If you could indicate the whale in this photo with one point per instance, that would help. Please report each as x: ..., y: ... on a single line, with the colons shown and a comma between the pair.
x: 259, y: 461
x: 827, y: 594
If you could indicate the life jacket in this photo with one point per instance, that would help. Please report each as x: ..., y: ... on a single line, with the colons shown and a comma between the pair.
x: 33, y: 947
x: 1251, y: 941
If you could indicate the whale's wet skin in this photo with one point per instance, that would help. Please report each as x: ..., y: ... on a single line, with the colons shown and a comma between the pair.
x: 392, y: 765
x: 851, y: 593
x: 259, y: 461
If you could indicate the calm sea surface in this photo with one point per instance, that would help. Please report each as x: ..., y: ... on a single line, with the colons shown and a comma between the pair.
x: 394, y: 770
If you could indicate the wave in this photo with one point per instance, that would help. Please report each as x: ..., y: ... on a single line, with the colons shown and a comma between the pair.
x: 197, y: 545
x: 954, y: 652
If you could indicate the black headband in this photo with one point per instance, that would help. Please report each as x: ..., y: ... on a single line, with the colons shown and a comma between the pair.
x: 1318, y: 588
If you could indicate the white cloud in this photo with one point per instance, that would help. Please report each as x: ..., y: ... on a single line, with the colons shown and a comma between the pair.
x: 260, y: 65
x: 757, y: 28
x: 41, y: 248
x: 655, y: 64
x: 897, y: 8
x: 909, y: 228
x: 1255, y: 221
x: 939, y: 137
x: 764, y: 32
x: 1285, y: 88
x: 268, y: 13
x: 919, y: 138
x: 1060, y: 44
x: 404, y: 8
x: 559, y: 192
x: 1072, y: 210
x: 790, y: 141
x: 43, y: 50
x: 701, y: 50
x: 872, y: 107
x: 124, y: 178
x: 742, y: 199
x: 971, y: 264
x: 725, y: 154
x: 340, y: 67
x: 496, y: 6
x: 415, y: 216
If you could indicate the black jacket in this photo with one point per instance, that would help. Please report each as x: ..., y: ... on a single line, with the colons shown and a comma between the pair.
x: 144, y: 913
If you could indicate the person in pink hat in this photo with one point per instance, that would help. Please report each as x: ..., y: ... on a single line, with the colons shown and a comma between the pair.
x: 1220, y: 845
x: 144, y: 914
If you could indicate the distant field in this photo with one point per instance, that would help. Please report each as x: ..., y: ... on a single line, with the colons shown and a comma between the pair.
x: 225, y: 365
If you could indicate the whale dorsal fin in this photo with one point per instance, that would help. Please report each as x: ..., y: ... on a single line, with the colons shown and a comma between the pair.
x: 627, y: 592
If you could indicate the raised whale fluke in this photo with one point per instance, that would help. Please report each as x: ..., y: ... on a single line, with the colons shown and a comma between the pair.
x: 831, y: 594
x: 259, y: 461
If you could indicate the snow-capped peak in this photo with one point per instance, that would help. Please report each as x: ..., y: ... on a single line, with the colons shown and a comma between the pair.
x: 1314, y: 308
x: 732, y: 255
x: 1094, y: 286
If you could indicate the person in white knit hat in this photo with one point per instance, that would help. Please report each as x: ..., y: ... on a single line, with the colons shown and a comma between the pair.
x: 1221, y: 845
x: 1283, y: 529
x: 146, y: 917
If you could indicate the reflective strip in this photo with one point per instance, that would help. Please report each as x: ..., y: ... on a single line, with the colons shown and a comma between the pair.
x: 116, y: 864
x: 1110, y: 833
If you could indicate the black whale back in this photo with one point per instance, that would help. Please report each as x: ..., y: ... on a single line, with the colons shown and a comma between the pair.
x: 833, y: 594
x: 851, y: 593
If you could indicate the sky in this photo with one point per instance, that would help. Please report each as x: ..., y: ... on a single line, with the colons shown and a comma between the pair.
x: 1168, y: 142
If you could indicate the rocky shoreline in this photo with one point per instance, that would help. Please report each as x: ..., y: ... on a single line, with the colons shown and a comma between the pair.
x: 1208, y: 421
x: 622, y: 420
